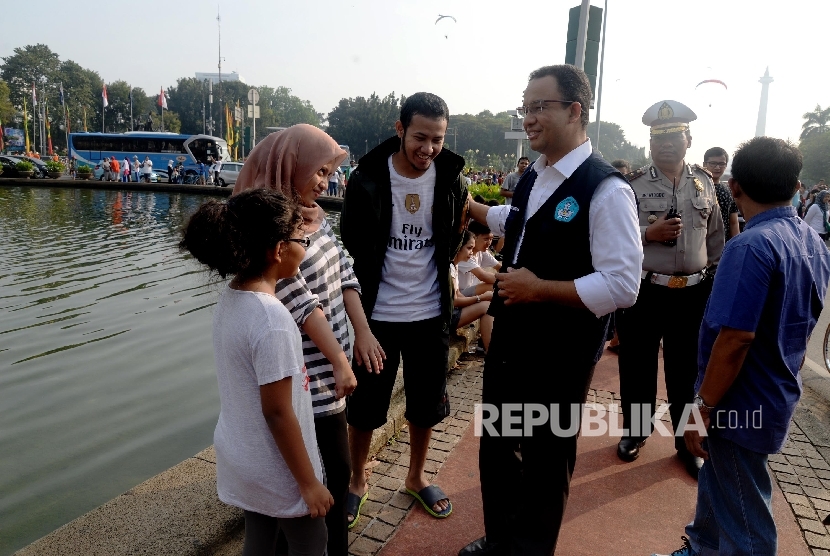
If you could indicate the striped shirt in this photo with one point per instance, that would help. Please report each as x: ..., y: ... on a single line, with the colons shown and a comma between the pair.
x: 324, y: 274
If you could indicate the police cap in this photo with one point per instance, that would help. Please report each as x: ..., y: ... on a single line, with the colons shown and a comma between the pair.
x: 668, y: 116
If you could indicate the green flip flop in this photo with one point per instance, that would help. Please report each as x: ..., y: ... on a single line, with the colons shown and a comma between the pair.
x: 353, y: 505
x: 428, y: 496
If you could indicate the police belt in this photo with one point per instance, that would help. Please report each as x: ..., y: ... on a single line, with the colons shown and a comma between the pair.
x: 674, y: 282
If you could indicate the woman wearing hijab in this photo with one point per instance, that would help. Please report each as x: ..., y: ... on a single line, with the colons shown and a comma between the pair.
x: 816, y: 216
x: 297, y: 161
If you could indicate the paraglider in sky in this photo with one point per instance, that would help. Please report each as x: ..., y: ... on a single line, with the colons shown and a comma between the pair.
x: 711, y: 81
x: 448, y: 17
x: 711, y: 89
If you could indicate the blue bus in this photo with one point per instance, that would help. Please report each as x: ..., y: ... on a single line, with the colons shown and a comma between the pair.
x: 91, y: 148
x: 347, y: 161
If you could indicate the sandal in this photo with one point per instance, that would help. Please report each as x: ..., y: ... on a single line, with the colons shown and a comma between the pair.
x: 353, y: 505
x: 429, y: 496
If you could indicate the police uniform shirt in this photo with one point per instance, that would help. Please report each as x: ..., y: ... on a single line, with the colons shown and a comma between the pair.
x: 701, y: 239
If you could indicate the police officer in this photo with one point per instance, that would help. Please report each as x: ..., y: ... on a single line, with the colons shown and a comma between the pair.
x: 682, y: 234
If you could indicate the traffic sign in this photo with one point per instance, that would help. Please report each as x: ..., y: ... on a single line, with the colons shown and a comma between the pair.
x: 253, y: 96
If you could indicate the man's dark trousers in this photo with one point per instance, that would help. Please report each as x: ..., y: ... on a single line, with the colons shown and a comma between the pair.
x: 525, y: 481
x: 675, y: 316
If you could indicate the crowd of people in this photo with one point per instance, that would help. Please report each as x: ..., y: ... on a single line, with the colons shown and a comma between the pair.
x: 126, y: 170
x: 585, y: 246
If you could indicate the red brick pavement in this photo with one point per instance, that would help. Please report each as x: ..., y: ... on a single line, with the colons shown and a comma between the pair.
x: 615, y: 508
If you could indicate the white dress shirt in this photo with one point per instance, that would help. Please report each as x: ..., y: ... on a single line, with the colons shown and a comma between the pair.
x: 613, y: 226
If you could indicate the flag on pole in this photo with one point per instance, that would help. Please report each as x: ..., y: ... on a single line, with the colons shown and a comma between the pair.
x: 48, y: 130
x: 85, y: 129
x: 237, y: 112
x: 104, y: 95
x: 26, y: 126
x: 229, y: 127
x: 61, y: 90
x: 2, y: 145
x: 34, y: 96
x: 162, y: 100
x: 66, y: 116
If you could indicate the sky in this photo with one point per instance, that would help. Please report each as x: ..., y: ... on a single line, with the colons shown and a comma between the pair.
x: 325, y: 50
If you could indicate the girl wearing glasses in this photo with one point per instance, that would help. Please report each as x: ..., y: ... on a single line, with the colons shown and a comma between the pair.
x: 297, y: 161
x: 267, y: 459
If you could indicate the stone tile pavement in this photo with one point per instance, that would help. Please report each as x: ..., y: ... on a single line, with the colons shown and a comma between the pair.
x: 801, y: 469
x: 803, y: 473
x: 388, y: 501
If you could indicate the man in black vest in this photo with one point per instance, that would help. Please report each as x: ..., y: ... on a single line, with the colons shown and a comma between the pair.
x: 572, y: 256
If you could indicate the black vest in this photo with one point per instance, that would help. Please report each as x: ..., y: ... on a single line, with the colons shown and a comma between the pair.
x: 556, y: 246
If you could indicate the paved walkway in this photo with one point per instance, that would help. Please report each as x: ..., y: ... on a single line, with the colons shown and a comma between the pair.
x: 614, y: 508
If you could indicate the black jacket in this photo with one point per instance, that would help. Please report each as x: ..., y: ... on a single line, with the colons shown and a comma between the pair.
x: 367, y: 218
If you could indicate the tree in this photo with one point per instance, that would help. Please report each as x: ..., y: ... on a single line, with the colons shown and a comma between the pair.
x: 8, y: 113
x: 815, y: 121
x: 118, y: 111
x: 228, y: 93
x: 172, y: 123
x: 482, y: 134
x: 143, y: 106
x: 187, y: 99
x: 30, y: 64
x: 816, y: 152
x: 279, y: 108
x: 360, y: 121
x: 614, y: 145
x: 82, y: 93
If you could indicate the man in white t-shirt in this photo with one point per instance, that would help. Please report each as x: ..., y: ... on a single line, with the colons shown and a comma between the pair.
x: 334, y: 180
x: 402, y: 223
x: 146, y: 169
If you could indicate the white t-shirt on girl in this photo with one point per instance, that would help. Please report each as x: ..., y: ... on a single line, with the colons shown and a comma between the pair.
x: 256, y: 342
x: 482, y: 259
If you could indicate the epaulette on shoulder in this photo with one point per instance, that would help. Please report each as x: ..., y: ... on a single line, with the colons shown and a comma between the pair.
x: 702, y: 169
x: 633, y: 175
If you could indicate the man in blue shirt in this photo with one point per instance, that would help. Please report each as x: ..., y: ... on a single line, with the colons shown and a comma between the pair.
x: 766, y: 299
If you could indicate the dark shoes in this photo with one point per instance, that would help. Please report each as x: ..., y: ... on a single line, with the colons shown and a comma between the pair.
x: 685, y: 550
x: 483, y: 547
x: 629, y: 448
x: 690, y: 462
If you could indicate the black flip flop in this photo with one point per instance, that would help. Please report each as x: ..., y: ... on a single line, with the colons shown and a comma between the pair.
x: 429, y: 496
x: 353, y: 505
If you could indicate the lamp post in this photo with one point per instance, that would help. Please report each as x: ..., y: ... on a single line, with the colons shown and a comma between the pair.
x: 210, y: 100
x: 204, y: 118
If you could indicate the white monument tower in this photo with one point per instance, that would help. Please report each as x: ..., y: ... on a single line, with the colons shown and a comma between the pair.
x: 760, y: 128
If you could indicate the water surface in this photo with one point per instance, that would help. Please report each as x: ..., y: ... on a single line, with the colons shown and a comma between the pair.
x: 106, y: 358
